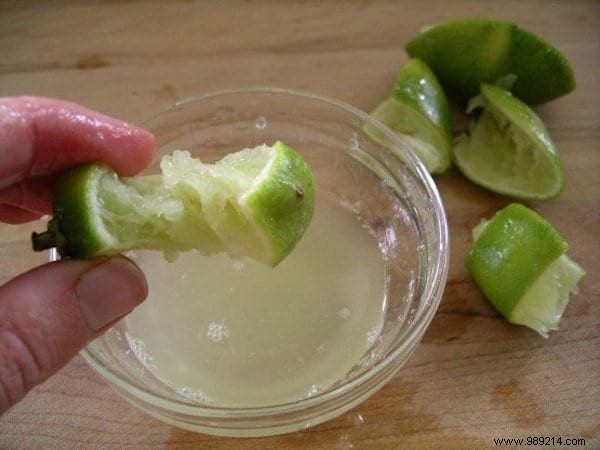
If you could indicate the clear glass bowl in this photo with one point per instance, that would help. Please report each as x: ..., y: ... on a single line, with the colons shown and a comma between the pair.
x: 395, y: 192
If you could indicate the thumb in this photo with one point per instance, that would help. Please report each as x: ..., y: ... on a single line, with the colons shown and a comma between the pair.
x: 49, y: 313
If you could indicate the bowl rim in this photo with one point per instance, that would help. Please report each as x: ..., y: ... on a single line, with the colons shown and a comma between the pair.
x: 433, y: 289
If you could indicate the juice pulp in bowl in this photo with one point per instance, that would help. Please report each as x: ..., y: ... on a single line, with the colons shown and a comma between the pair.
x: 231, y: 347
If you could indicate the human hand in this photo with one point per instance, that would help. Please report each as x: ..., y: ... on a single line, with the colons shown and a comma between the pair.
x: 49, y: 313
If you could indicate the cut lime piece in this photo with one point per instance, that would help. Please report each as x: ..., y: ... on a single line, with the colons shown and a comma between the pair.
x: 257, y: 202
x: 518, y: 260
x: 417, y: 110
x: 466, y: 53
x: 509, y: 150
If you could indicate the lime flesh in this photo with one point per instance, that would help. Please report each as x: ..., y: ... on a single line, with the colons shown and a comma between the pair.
x: 419, y: 112
x: 466, y: 53
x: 542, y: 306
x: 509, y: 150
x: 518, y: 260
x: 257, y: 202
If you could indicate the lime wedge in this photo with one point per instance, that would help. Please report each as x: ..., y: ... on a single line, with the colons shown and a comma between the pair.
x: 518, y: 260
x: 257, y: 202
x: 466, y: 53
x: 509, y: 151
x: 417, y: 110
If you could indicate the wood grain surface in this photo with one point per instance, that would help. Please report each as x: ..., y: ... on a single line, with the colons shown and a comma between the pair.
x: 474, y: 377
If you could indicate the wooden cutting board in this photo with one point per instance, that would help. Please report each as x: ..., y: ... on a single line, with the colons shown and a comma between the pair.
x: 474, y: 377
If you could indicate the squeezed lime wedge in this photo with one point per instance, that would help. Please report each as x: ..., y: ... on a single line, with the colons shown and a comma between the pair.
x: 509, y: 150
x: 518, y: 261
x: 419, y: 112
x: 257, y: 203
x: 468, y: 52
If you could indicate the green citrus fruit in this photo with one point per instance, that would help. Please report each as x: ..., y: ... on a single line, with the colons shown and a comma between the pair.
x: 417, y: 110
x: 518, y: 260
x: 468, y: 52
x: 257, y: 202
x: 509, y: 150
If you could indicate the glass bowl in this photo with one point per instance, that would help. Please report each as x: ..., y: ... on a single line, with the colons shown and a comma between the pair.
x: 389, y: 188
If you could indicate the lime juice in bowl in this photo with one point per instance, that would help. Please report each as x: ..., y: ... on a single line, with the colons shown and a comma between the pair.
x: 234, y: 347
x: 251, y: 335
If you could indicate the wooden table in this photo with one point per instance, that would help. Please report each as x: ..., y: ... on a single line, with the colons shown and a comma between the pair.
x: 474, y: 377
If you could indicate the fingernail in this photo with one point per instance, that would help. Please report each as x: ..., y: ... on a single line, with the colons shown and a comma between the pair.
x: 109, y: 291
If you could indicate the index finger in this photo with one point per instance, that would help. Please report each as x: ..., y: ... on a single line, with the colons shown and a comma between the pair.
x: 40, y: 136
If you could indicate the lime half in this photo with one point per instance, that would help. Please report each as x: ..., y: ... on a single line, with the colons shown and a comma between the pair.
x: 509, y: 150
x: 466, y: 53
x: 417, y: 110
x: 518, y: 260
x: 257, y: 202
